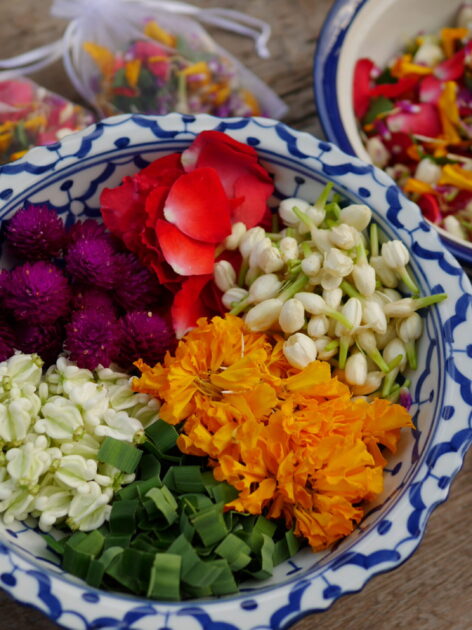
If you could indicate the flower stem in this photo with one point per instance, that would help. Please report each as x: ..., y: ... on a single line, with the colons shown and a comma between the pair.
x: 323, y: 198
x: 350, y: 290
x: 295, y: 287
x: 343, y: 348
x: 242, y: 272
x: 374, y: 239
x: 238, y: 307
x: 428, y: 300
x: 408, y: 280
x: 411, y: 354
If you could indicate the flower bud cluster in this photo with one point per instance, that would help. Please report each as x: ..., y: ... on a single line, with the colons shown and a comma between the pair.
x: 330, y: 287
x: 51, y: 429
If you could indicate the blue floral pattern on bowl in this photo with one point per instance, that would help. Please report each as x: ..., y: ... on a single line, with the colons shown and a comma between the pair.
x: 71, y: 175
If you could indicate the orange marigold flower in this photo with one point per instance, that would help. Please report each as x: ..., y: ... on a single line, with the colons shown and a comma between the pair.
x: 295, y: 444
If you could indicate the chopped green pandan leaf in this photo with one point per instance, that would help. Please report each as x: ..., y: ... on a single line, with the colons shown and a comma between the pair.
x: 222, y: 492
x: 235, y: 551
x: 193, y: 502
x: 162, y: 435
x: 209, y: 525
x: 117, y: 541
x: 123, y: 517
x: 262, y: 566
x: 188, y: 479
x: 378, y: 106
x: 165, y: 503
x: 186, y: 527
x: 164, y: 581
x: 149, y: 467
x: 132, y: 569
x: 225, y: 584
x: 286, y: 547
x: 80, y: 550
x: 204, y: 574
x: 98, y: 566
x: 121, y: 455
x: 55, y: 545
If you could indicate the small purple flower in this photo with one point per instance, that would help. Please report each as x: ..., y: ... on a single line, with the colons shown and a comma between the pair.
x: 90, y: 228
x: 92, y: 339
x: 37, y: 292
x: 93, y: 299
x: 91, y: 261
x: 45, y: 340
x: 35, y: 232
x: 405, y: 398
x: 144, y: 336
x: 7, y: 339
x: 137, y: 288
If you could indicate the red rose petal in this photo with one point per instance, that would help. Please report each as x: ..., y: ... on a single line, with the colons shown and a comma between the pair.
x: 430, y: 89
x: 397, y: 145
x: 234, y: 162
x: 122, y: 210
x: 186, y: 256
x: 154, y: 205
x: 187, y: 307
x: 164, y: 170
x: 430, y: 207
x: 199, y: 207
x: 451, y: 69
x: 362, y: 85
x: 425, y: 122
x: 395, y: 90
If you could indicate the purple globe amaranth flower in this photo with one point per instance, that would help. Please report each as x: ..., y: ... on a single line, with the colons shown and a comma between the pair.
x: 90, y: 228
x: 4, y: 280
x: 145, y: 336
x: 91, y: 261
x: 38, y: 293
x: 43, y: 339
x: 137, y: 288
x: 36, y: 232
x: 92, y: 339
x: 93, y: 299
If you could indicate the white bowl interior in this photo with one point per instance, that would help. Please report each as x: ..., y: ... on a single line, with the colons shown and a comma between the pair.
x: 380, y: 31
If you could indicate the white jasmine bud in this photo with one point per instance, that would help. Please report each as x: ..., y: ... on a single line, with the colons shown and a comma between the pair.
x: 288, y: 248
x: 355, y: 371
x: 388, y: 335
x: 264, y: 315
x: 378, y: 152
x: 453, y: 226
x: 333, y: 297
x: 233, y: 296
x: 270, y: 260
x: 312, y: 302
x: 299, y: 350
x: 225, y: 275
x: 410, y: 328
x: 74, y: 471
x: 385, y: 274
x: 368, y: 342
x: 312, y: 264
x: 325, y: 348
x: 357, y: 215
x: 428, y: 171
x: 392, y: 350
x: 374, y: 316
x: 264, y: 287
x: 89, y: 511
x: 315, y: 216
x: 249, y: 240
x: 352, y: 311
x: 329, y: 279
x: 61, y: 419
x: 286, y: 212
x: 364, y: 279
x: 259, y: 247
x: 321, y: 239
x: 318, y: 326
x: 344, y: 236
x: 371, y: 384
x: 395, y: 254
x: 292, y: 316
x: 237, y: 232
x: 336, y: 262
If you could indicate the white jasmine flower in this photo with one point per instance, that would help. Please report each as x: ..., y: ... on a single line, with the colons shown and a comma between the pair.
x: 61, y: 419
x: 121, y: 426
x: 90, y: 510
x: 74, y: 471
x: 299, y: 350
x: 292, y: 316
x: 264, y: 315
x: 15, y: 420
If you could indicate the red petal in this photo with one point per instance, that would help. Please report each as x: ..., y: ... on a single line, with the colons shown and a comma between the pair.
x: 17, y: 92
x: 397, y: 145
x: 187, y: 307
x: 154, y: 206
x: 395, y: 90
x: 430, y: 207
x: 142, y: 49
x: 186, y: 256
x: 430, y: 89
x: 451, y: 69
x: 460, y: 201
x: 163, y: 171
x: 361, y: 86
x: 122, y: 210
x: 238, y: 169
x: 425, y: 122
x: 199, y: 207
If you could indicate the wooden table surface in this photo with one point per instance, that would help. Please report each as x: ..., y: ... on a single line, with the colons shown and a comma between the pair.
x: 433, y: 589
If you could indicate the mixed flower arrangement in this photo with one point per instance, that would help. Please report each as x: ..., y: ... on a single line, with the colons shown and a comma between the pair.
x: 415, y: 116
x: 263, y: 357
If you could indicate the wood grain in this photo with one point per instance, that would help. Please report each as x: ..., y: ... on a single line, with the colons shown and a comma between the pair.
x: 433, y: 589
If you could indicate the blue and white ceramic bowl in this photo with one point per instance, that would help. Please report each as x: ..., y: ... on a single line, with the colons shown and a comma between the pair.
x: 71, y: 176
x: 377, y: 29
